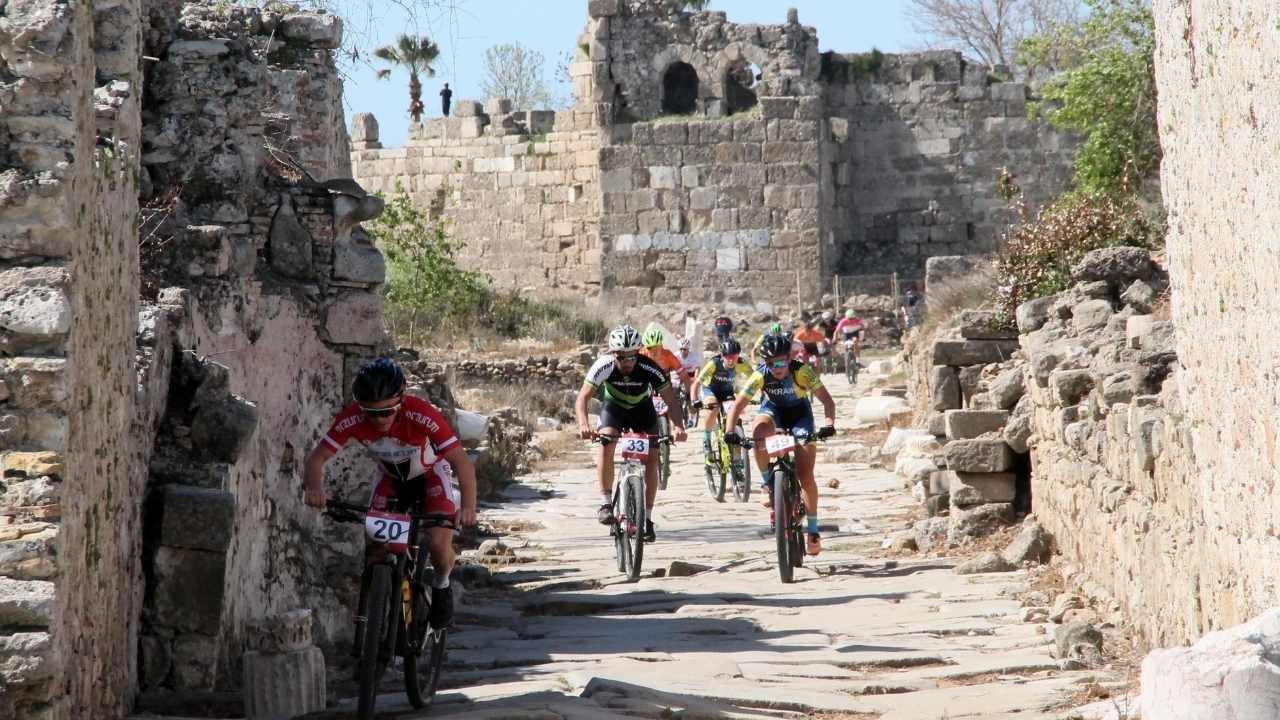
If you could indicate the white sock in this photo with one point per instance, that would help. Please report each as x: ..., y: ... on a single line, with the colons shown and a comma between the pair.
x: 606, y: 498
x: 440, y: 581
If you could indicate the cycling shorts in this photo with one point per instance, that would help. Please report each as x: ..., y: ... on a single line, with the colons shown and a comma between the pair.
x: 720, y: 395
x: 798, y: 417
x: 434, y: 492
x: 851, y: 334
x: 642, y: 418
x: 811, y: 348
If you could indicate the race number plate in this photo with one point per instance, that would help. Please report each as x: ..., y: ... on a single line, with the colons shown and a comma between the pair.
x: 390, y: 529
x: 635, y: 447
x: 659, y: 405
x: 777, y: 445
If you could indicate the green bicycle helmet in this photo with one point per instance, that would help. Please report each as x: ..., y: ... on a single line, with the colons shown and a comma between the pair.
x: 775, y: 329
x: 652, y: 337
x: 848, y: 314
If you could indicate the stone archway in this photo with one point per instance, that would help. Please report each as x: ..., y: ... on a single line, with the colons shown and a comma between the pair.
x: 679, y: 89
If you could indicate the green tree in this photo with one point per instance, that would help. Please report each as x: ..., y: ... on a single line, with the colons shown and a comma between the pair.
x: 424, y: 283
x: 514, y: 71
x: 415, y: 54
x: 1107, y: 95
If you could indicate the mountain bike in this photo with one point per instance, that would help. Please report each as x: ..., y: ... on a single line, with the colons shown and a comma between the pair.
x: 722, y: 462
x: 788, y: 503
x: 628, y: 504
x: 395, y: 603
x: 850, y: 363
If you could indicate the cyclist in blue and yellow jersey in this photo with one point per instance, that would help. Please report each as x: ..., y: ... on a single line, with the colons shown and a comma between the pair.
x: 788, y: 386
x: 716, y: 385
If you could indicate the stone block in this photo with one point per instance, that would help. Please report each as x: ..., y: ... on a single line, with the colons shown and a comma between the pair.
x: 972, y: 352
x: 355, y: 318
x: 196, y: 518
x: 1115, y: 265
x: 356, y: 259
x: 1033, y: 314
x: 983, y: 325
x: 944, y: 388
x: 965, y: 424
x: 663, y: 178
x: 728, y: 259
x: 31, y: 464
x: 364, y: 128
x: 319, y: 30
x: 188, y: 589
x: 602, y: 8
x: 289, y: 244
x: 948, y: 268
x: 968, y: 489
x: 283, y: 685
x: 26, y: 603
x: 195, y: 662
x: 1091, y: 315
x: 34, y: 311
x: 1009, y: 92
x: 1017, y: 431
x: 986, y: 562
x: 497, y: 106
x: 978, y: 456
x: 1007, y: 388
x: 1069, y: 386
x: 978, y: 521
x: 155, y: 661
x: 670, y: 133
x: 466, y: 109
x: 26, y: 658
x: 937, y: 424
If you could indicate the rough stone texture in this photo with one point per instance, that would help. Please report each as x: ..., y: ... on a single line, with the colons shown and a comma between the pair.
x: 837, y: 169
x: 977, y: 521
x: 978, y: 456
x: 968, y: 489
x: 1031, y: 544
x: 966, y: 424
x: 944, y: 389
x: 1226, y: 675
x: 1116, y: 265
x: 972, y: 352
x: 986, y: 562
x: 1007, y: 388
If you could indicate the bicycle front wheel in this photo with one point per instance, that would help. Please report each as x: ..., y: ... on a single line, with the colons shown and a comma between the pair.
x: 714, y: 468
x: 372, y: 663
x: 782, y: 524
x: 619, y: 529
x: 633, y: 533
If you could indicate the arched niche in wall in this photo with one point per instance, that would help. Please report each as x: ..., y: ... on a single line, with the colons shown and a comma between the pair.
x: 742, y: 82
x: 679, y: 89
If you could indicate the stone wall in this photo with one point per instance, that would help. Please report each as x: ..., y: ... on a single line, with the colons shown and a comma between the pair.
x: 714, y: 210
x: 917, y: 144
x: 1214, y: 70
x: 520, y: 190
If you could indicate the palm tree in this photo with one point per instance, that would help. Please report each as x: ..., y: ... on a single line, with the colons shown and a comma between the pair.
x: 416, y: 54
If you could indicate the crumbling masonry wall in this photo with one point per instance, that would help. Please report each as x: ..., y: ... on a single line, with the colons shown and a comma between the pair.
x: 815, y: 164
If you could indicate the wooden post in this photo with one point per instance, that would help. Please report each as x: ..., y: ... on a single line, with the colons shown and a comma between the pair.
x: 896, y: 290
x: 839, y: 298
x: 799, y: 297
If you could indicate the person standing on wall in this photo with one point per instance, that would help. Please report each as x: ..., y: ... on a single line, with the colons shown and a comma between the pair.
x: 446, y: 96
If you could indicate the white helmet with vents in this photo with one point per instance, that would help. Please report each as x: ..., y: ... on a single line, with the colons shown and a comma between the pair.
x: 624, y: 338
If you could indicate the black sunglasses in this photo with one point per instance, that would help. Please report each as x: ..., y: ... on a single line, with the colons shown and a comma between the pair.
x: 380, y: 412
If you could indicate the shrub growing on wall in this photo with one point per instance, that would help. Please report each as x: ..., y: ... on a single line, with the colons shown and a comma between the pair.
x: 1038, y: 254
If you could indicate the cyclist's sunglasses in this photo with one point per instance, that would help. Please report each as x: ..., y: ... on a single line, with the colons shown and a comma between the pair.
x: 624, y: 357
x: 779, y: 362
x: 731, y: 359
x: 380, y: 412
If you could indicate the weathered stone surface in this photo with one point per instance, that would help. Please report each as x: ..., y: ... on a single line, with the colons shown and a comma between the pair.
x: 1091, y: 315
x: 355, y: 318
x: 222, y: 426
x: 155, y: 661
x: 1078, y: 640
x: 25, y: 657
x: 941, y: 269
x: 1069, y: 386
x: 983, y: 325
x: 283, y: 685
x: 937, y: 424
x: 898, y: 439
x: 986, y: 562
x: 878, y: 408
x: 978, y: 456
x: 968, y: 489
x: 970, y: 382
x: 29, y: 555
x: 965, y: 424
x: 364, y: 127
x: 931, y: 533
x: 1006, y: 389
x: 1137, y: 327
x: 680, y: 568
x: 196, y: 518
x: 188, y: 591
x: 1063, y: 603
x: 944, y: 388
x: 1139, y: 295
x: 37, y: 311
x: 356, y: 259
x: 978, y: 521
x: 289, y: 243
x: 314, y: 29
x: 195, y: 661
x: 1032, y: 314
x: 1115, y: 265
x: 972, y: 352
x: 26, y: 603
x: 1226, y: 675
x: 1031, y: 544
x: 32, y: 464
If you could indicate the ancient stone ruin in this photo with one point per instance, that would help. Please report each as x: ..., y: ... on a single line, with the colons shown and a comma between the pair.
x: 707, y: 161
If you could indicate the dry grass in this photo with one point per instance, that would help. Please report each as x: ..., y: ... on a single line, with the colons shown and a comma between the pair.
x: 946, y: 299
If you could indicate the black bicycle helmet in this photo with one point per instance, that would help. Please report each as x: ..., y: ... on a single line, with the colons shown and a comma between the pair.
x: 730, y: 347
x: 776, y: 345
x: 378, y: 379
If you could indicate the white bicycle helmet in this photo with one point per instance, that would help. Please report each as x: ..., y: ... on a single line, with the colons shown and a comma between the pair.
x: 624, y: 338
x: 827, y: 314
x: 686, y: 343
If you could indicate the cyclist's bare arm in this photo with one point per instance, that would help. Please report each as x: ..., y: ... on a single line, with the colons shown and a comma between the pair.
x: 313, y: 474
x: 828, y: 405
x: 580, y: 410
x: 675, y: 412
x: 465, y: 471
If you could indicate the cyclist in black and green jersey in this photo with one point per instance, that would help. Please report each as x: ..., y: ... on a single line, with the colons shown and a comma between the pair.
x: 628, y: 382
x: 788, y: 386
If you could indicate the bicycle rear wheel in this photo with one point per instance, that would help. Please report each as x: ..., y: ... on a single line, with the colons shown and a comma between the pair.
x: 633, y: 497
x: 713, y: 466
x: 619, y: 530
x: 782, y: 524
x: 850, y: 368
x: 372, y: 664
x: 796, y: 503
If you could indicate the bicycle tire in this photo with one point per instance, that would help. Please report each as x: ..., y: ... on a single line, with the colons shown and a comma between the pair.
x: 664, y: 454
x: 420, y: 679
x: 743, y: 468
x: 850, y: 368
x: 371, y: 664
x: 635, y: 513
x: 619, y: 531
x: 796, y: 503
x: 713, y: 466
x: 782, y: 524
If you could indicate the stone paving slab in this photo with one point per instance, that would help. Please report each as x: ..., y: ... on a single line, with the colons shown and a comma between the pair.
x: 562, y: 636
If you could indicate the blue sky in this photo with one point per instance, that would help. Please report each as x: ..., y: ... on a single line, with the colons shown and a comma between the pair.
x: 552, y: 26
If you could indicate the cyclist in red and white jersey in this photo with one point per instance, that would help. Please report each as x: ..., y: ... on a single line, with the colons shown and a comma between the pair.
x: 422, y: 464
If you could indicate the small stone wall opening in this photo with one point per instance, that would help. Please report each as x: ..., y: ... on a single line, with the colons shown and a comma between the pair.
x: 679, y: 89
x: 741, y: 87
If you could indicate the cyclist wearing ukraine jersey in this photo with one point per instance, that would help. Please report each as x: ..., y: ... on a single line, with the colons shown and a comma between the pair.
x: 716, y: 385
x: 628, y: 381
x: 787, y: 386
x: 422, y: 465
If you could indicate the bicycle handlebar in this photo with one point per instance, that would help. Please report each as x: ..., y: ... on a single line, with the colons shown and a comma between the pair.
x: 343, y: 511
x: 609, y: 439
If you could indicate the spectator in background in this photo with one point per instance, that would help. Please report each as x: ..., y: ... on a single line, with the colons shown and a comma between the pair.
x: 446, y: 96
